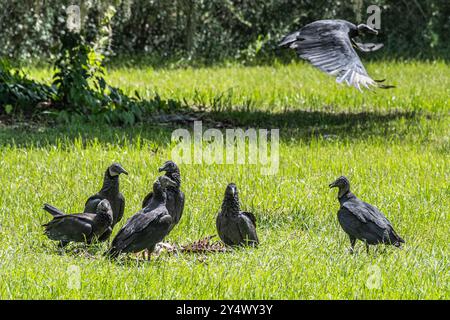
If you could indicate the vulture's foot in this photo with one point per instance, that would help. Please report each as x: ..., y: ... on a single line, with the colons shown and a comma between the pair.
x: 164, y: 246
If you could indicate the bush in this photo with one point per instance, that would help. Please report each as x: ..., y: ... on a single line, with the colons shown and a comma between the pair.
x: 18, y: 93
x: 213, y: 30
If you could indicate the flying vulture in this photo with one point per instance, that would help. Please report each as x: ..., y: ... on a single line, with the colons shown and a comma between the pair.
x: 330, y: 46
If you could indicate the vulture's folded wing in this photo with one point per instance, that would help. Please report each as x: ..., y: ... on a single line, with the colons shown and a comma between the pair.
x: 147, y: 199
x: 72, y: 227
x: 247, y: 230
x: 367, y: 213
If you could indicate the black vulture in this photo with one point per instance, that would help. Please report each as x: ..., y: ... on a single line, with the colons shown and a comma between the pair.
x: 147, y: 227
x: 361, y: 220
x: 235, y: 227
x: 175, y: 197
x: 81, y: 227
x: 329, y: 45
x: 110, y: 191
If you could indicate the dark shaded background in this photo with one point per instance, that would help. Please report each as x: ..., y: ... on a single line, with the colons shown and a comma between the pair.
x: 215, y: 30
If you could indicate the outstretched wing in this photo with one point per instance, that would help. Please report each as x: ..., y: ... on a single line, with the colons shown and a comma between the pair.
x: 326, y: 45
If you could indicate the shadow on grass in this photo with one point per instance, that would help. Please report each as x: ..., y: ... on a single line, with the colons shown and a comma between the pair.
x: 303, y: 124
x: 295, y: 124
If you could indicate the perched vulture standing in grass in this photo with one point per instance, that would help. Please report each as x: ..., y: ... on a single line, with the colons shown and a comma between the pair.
x: 361, y: 220
x: 235, y: 227
x: 329, y: 45
x: 175, y: 197
x: 81, y: 227
x: 110, y: 191
x: 147, y: 227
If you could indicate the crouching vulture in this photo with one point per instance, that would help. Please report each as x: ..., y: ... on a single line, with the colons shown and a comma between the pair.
x: 80, y: 227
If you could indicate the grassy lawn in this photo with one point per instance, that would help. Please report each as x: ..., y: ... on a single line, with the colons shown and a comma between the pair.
x: 394, y: 146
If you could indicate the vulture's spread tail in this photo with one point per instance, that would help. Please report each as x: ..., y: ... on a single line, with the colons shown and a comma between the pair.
x: 52, y: 210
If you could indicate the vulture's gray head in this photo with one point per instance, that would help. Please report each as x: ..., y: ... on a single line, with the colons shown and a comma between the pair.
x: 231, y: 190
x: 364, y: 28
x: 169, y: 167
x: 116, y: 169
x: 230, y: 204
x: 160, y: 185
x: 165, y: 182
x: 343, y: 184
x: 104, y: 206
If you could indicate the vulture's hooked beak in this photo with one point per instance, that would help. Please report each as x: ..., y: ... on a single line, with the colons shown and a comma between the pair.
x: 116, y: 169
x: 332, y: 185
x: 162, y: 168
x: 232, y: 190
x: 122, y: 170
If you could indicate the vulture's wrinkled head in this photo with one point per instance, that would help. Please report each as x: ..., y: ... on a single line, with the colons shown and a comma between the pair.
x: 364, y: 29
x: 104, y: 206
x: 169, y: 167
x: 116, y: 169
x: 231, y: 190
x: 165, y: 182
x: 341, y: 182
x: 161, y: 183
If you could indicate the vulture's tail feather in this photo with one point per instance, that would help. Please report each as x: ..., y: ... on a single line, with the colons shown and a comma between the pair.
x: 53, y: 210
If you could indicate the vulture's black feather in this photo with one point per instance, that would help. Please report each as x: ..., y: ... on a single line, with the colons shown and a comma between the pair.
x: 235, y: 227
x: 110, y: 191
x: 329, y: 45
x: 361, y: 220
x: 175, y: 197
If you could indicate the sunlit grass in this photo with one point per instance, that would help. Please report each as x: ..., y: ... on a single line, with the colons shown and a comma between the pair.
x: 420, y: 86
x: 400, y: 163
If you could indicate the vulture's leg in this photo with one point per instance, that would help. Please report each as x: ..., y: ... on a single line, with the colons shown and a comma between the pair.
x: 63, y: 243
x: 352, y: 244
x: 367, y: 248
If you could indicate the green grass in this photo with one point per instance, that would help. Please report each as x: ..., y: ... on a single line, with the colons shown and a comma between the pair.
x: 393, y: 145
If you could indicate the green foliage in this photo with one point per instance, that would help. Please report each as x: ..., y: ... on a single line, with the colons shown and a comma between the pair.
x: 212, y: 30
x: 79, y: 76
x: 18, y: 92
x: 83, y: 92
